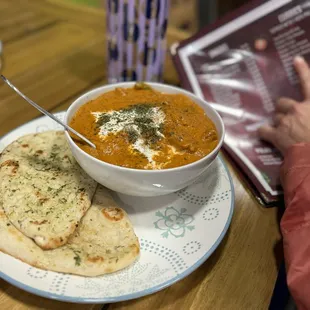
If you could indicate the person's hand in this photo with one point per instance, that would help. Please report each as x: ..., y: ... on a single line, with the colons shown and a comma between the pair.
x: 292, y: 118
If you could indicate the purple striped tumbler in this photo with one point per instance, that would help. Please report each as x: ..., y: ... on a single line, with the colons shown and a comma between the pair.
x: 136, y: 36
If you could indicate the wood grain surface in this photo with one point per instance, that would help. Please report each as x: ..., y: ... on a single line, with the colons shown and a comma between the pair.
x: 54, y: 52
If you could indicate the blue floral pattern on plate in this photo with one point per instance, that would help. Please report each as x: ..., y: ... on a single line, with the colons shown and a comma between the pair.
x: 174, y: 222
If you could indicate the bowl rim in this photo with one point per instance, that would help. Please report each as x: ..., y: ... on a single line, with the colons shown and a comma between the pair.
x: 146, y: 171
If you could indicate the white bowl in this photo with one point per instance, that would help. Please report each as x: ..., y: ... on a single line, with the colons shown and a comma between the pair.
x: 138, y: 182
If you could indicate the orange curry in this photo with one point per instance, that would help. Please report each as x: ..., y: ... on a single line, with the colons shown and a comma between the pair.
x: 144, y: 129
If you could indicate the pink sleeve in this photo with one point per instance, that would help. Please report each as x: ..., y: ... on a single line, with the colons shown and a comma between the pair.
x: 295, y: 224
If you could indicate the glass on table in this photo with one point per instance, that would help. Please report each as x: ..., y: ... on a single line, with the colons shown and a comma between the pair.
x: 136, y: 39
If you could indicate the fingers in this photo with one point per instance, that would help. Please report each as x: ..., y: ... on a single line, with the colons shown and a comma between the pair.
x: 303, y: 71
x: 278, y: 118
x: 267, y: 133
x: 285, y: 105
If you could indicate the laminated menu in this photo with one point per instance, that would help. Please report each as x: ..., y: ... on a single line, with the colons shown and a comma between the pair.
x: 241, y: 65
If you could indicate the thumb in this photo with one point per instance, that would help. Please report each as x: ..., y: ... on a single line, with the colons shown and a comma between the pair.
x: 267, y: 133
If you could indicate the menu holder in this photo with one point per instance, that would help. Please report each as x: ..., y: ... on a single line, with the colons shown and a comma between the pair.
x: 242, y: 64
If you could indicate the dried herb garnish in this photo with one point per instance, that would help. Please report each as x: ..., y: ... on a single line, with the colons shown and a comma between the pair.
x: 132, y: 135
x: 58, y: 190
x: 143, y: 120
x: 54, y: 151
x: 53, y: 155
x: 149, y: 134
x: 103, y: 118
x: 136, y: 120
x: 77, y: 259
x: 141, y: 108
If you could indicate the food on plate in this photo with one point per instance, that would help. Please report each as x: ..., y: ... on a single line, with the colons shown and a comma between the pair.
x: 103, y: 242
x: 142, y: 128
x: 45, y: 193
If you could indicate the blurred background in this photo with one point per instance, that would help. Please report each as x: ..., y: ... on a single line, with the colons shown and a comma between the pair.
x: 189, y: 15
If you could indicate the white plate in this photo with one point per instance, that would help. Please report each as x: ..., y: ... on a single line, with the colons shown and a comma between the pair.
x: 177, y: 232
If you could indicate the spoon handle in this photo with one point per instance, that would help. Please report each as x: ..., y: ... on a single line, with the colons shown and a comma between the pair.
x: 46, y: 112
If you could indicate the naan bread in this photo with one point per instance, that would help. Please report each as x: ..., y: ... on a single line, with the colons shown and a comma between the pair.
x: 45, y: 192
x: 104, y: 242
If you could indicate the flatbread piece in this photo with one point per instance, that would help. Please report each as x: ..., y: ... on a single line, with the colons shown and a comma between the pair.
x: 104, y: 242
x: 45, y: 193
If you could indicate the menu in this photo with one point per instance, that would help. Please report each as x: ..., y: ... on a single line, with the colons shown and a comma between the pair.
x: 241, y: 65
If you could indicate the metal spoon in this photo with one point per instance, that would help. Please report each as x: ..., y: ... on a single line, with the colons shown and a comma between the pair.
x: 46, y: 113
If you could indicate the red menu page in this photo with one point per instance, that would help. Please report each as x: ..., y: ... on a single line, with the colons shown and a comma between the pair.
x: 241, y: 65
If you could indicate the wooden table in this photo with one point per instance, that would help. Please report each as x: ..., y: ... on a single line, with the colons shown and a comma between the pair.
x: 55, y: 52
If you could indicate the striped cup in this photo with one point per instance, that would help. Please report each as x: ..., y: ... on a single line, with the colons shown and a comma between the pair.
x: 136, y: 36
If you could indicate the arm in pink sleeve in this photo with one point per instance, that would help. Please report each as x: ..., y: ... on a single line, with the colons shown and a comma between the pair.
x: 295, y: 224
